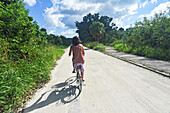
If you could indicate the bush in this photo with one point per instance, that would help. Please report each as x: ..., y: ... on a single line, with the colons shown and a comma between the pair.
x: 118, y: 42
x: 110, y: 44
x: 96, y: 46
x: 91, y: 44
x: 127, y: 49
x: 157, y: 53
x: 119, y: 47
x: 99, y: 47
x: 19, y: 78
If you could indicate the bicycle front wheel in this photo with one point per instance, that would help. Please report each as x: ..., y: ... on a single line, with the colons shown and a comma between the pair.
x: 80, y: 84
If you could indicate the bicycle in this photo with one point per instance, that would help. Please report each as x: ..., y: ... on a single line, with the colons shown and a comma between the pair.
x: 79, y: 77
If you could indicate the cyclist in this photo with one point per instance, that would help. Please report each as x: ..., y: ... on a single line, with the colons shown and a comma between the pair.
x: 78, y: 54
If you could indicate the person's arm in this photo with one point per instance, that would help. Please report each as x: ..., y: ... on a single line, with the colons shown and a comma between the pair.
x: 83, y: 50
x: 70, y: 51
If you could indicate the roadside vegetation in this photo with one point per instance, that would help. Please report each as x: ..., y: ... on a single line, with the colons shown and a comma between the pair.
x: 96, y: 46
x: 27, y: 54
x: 149, y: 38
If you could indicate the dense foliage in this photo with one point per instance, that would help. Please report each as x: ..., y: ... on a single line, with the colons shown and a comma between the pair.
x: 20, y: 78
x: 150, y: 37
x: 58, y: 40
x: 99, y: 24
x: 96, y: 30
x: 27, y: 54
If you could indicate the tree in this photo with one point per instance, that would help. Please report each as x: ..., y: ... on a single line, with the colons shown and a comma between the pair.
x: 55, y: 40
x: 83, y: 27
x: 97, y: 30
x: 19, y: 35
x: 121, y: 29
x: 107, y: 21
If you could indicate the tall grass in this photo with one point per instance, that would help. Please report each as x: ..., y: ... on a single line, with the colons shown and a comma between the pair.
x: 19, y: 78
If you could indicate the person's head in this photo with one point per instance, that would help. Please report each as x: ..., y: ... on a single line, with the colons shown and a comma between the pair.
x: 76, y: 40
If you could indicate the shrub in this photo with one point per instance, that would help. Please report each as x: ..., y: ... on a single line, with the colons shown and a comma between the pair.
x: 91, y: 44
x: 157, y: 53
x: 119, y: 47
x: 96, y: 46
x: 99, y: 47
x: 19, y: 78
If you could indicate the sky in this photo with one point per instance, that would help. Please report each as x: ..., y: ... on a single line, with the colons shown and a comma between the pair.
x: 59, y: 16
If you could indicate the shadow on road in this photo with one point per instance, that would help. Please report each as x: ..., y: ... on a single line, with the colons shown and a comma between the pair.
x: 61, y: 93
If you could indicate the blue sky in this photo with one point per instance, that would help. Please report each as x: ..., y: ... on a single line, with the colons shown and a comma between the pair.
x: 58, y: 16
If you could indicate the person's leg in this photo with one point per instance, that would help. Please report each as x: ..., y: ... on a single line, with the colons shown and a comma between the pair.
x: 73, y: 69
x: 82, y: 74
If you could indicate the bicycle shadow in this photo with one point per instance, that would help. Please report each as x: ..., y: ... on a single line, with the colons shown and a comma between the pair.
x: 61, y: 93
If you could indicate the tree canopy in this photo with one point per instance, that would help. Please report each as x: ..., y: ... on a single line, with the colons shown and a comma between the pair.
x: 96, y: 30
x: 83, y: 28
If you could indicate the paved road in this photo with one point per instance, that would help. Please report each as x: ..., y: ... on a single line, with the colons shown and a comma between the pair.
x: 111, y: 86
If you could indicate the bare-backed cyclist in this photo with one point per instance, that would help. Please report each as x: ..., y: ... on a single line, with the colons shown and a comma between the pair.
x: 78, y: 54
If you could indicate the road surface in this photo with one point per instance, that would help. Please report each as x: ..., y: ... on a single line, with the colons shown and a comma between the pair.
x: 111, y: 86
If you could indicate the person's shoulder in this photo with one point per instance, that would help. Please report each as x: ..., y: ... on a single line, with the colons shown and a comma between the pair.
x: 71, y: 45
x: 81, y: 45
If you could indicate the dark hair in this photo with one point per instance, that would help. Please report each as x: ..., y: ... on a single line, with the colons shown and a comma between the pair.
x: 76, y: 40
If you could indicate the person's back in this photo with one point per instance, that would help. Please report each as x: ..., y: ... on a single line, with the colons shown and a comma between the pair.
x: 78, y: 54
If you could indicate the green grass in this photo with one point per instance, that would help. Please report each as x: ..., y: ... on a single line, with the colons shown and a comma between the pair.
x: 95, y: 46
x: 18, y: 79
x: 146, y: 51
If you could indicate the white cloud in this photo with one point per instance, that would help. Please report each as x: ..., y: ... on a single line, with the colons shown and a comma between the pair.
x: 161, y: 8
x: 153, y: 1
x: 69, y: 32
x: 30, y: 2
x: 52, y: 32
x: 53, y: 18
x: 130, y: 18
x: 132, y: 8
x: 144, y: 4
x: 56, y: 2
x: 128, y: 26
x: 64, y: 13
